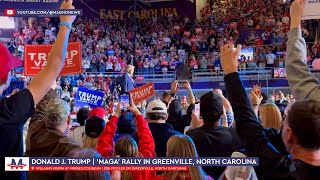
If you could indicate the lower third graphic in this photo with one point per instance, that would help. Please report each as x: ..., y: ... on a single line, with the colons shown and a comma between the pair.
x: 17, y: 164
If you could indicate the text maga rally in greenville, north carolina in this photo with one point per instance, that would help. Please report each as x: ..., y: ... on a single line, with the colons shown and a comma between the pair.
x: 36, y: 56
x: 87, y: 97
x: 156, y: 164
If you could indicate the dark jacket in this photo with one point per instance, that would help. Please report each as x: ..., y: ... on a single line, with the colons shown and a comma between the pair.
x: 14, y: 112
x: 126, y: 83
x: 282, y: 105
x: 272, y: 164
x: 176, y: 119
x: 43, y: 142
x: 215, y: 141
x: 161, y: 133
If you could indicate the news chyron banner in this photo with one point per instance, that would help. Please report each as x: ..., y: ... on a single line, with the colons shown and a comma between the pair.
x: 120, y: 164
x: 311, y: 10
x: 142, y: 93
x: 36, y: 56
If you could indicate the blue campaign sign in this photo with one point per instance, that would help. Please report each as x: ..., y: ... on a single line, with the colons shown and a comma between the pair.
x: 87, y: 97
x: 30, y: 4
x: 110, y: 52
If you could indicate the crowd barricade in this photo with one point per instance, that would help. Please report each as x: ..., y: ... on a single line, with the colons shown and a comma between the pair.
x: 141, y: 76
x: 257, y: 73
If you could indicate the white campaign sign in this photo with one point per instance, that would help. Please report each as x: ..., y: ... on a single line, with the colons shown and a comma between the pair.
x: 311, y: 10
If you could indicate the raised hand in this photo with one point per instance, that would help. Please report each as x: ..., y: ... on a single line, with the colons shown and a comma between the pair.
x: 133, y: 108
x: 118, y: 110
x: 174, y: 87
x: 229, y: 58
x: 296, y: 12
x: 255, y: 99
x: 67, y: 4
x: 187, y: 85
x: 195, y: 121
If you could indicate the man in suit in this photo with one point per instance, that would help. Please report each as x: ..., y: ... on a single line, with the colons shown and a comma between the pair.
x: 127, y: 82
x: 282, y: 102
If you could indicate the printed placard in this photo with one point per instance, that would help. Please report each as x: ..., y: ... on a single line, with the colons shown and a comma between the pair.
x: 87, y: 97
x: 311, y: 10
x: 142, y: 93
x: 35, y: 59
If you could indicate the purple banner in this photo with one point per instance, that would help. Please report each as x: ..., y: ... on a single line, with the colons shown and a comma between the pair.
x: 113, y: 9
x: 250, y: 36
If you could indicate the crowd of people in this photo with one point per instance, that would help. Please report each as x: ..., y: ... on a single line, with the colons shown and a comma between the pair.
x: 228, y: 124
x: 162, y: 45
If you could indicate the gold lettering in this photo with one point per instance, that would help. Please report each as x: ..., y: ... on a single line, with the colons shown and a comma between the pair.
x: 102, y: 13
x: 138, y: 15
x: 121, y: 14
x: 150, y: 14
x: 115, y: 14
x: 167, y: 12
x: 161, y: 13
x: 130, y: 14
x: 109, y: 15
x: 144, y: 14
x: 174, y: 12
x: 156, y: 12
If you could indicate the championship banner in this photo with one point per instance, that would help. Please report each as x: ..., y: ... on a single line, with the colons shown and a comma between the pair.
x: 87, y: 97
x: 311, y: 10
x: 35, y: 59
x: 143, y: 92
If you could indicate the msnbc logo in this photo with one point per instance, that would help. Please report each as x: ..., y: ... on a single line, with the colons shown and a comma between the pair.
x: 17, y: 164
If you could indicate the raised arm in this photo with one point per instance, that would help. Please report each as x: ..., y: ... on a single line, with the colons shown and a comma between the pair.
x: 146, y: 142
x: 192, y: 99
x: 42, y: 82
x: 301, y: 81
x: 173, y: 91
x: 249, y: 129
x: 105, y: 142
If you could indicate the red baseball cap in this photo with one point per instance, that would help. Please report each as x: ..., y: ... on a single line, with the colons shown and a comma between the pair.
x: 99, y: 111
x: 7, y: 61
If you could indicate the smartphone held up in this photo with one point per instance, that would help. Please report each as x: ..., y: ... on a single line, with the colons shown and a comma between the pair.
x: 125, y: 101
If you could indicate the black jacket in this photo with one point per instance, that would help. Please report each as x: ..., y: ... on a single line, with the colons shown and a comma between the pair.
x: 215, y: 141
x: 273, y: 165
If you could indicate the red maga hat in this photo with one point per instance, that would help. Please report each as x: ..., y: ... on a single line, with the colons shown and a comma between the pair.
x: 7, y: 62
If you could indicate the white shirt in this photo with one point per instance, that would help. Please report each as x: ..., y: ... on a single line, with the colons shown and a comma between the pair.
x: 270, y: 58
x: 85, y: 64
x: 64, y: 94
x: 109, y: 66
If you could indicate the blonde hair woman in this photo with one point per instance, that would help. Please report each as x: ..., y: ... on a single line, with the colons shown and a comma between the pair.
x: 270, y: 116
x: 93, y: 128
x: 183, y: 146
